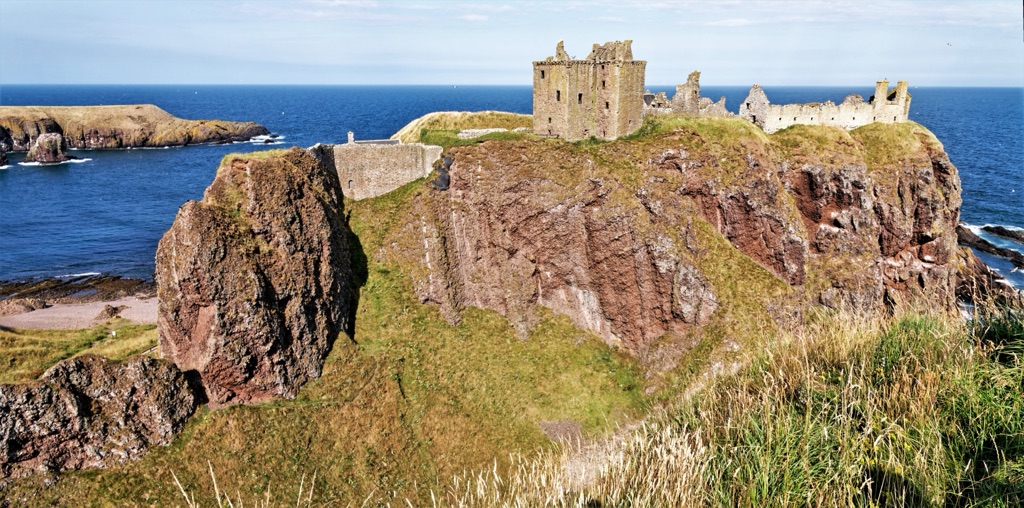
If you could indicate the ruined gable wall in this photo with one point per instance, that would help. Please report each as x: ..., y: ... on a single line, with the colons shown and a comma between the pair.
x: 368, y: 170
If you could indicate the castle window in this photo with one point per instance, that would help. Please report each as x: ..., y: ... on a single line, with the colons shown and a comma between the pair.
x: 794, y: 118
x: 350, y: 184
x: 833, y: 118
x: 894, y: 118
x: 541, y: 74
x: 558, y: 95
x: 603, y: 84
x: 579, y: 99
x: 748, y: 104
x: 606, y: 106
x: 549, y: 119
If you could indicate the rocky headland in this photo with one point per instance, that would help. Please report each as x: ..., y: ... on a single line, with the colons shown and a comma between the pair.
x: 122, y: 126
x: 693, y: 233
x: 641, y: 241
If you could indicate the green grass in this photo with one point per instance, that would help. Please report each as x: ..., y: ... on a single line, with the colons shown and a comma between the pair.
x: 410, y: 403
x: 850, y: 411
x: 26, y: 354
x: 459, y: 120
x: 449, y: 137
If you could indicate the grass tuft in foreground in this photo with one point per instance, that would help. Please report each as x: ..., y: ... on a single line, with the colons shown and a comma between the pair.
x: 852, y: 410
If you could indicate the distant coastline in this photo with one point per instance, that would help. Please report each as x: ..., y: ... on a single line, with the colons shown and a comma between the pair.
x: 121, y: 126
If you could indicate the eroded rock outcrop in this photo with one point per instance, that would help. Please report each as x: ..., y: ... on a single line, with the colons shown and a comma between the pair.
x: 89, y: 412
x: 137, y: 125
x: 49, y: 148
x: 632, y: 239
x: 255, y: 281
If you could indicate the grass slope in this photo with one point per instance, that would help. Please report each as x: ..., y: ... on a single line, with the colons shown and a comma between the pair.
x: 402, y: 409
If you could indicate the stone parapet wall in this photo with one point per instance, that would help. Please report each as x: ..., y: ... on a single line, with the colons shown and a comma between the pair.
x: 370, y: 170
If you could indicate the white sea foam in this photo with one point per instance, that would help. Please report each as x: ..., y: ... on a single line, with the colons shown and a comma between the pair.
x: 5, y: 166
x: 34, y: 164
x: 75, y: 275
x: 263, y: 138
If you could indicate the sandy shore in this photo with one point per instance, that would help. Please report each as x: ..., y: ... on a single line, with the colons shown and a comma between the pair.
x: 71, y: 316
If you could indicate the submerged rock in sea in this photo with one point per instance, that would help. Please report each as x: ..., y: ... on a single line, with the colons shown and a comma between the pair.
x: 255, y: 281
x: 3, y: 158
x: 89, y: 412
x: 49, y: 148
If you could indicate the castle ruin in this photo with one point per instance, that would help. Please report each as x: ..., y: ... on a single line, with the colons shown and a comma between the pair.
x: 853, y: 112
x: 600, y: 97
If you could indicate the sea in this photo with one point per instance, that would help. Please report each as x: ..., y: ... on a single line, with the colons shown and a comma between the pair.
x: 105, y: 213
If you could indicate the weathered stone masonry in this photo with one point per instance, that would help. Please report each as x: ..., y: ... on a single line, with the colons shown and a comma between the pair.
x: 853, y: 112
x: 601, y: 96
x: 368, y: 169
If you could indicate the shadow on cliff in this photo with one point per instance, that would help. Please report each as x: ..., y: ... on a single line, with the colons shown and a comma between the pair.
x: 360, y: 273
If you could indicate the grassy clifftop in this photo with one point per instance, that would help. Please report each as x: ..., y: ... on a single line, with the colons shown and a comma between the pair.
x: 459, y: 120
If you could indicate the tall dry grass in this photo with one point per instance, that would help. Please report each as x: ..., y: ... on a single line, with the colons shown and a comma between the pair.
x: 850, y: 410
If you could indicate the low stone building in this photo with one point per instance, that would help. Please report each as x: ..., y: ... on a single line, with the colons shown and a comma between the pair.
x: 853, y: 112
x: 371, y: 168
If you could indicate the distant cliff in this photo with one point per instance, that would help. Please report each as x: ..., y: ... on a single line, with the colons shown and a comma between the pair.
x: 128, y: 126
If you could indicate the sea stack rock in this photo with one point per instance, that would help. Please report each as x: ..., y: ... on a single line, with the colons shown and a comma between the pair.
x: 3, y: 158
x: 88, y: 412
x: 49, y: 148
x: 254, y: 281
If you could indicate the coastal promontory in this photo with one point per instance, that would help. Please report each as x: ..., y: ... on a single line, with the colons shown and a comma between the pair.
x: 122, y: 126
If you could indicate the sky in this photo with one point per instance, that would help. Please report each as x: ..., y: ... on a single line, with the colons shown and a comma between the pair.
x: 732, y: 42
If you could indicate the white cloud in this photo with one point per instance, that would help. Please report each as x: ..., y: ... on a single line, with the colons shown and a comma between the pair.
x: 732, y: 22
x: 475, y: 18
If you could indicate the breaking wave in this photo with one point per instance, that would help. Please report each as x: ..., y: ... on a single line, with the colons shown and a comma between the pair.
x: 72, y: 161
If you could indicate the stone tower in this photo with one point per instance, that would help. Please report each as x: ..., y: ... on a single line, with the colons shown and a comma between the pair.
x: 601, y: 96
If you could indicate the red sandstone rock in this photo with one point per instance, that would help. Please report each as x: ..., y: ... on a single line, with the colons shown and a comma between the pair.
x: 523, y: 224
x: 254, y: 281
x: 48, y: 148
x: 88, y: 412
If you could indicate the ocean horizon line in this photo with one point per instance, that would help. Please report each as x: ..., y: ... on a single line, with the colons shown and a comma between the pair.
x: 527, y: 85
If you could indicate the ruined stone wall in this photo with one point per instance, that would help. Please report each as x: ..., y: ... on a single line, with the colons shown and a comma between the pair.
x: 601, y: 96
x: 687, y: 101
x: 853, y: 112
x: 368, y: 170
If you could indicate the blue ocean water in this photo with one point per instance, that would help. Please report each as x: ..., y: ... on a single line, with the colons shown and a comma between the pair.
x: 106, y: 215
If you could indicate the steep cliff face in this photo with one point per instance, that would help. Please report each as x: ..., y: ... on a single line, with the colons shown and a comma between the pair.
x: 644, y: 240
x: 254, y: 281
x: 141, y: 125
